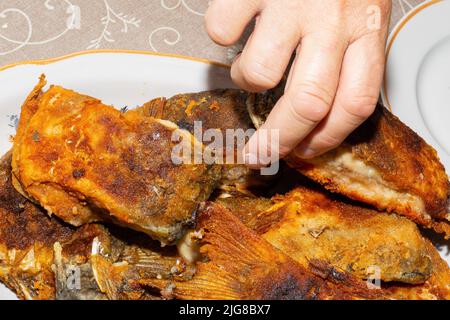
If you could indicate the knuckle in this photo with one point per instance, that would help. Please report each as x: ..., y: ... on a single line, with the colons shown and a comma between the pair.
x: 328, y: 141
x: 303, y: 113
x: 328, y: 39
x: 360, y: 106
x: 312, y: 101
x: 261, y: 75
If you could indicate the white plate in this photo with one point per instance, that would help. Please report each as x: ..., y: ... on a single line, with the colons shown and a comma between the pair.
x: 118, y: 78
x: 417, y: 80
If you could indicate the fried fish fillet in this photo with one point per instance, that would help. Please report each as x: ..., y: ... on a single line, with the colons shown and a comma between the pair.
x: 308, y: 224
x: 219, y: 275
x: 383, y: 163
x: 140, y: 265
x: 84, y: 161
x: 216, y: 109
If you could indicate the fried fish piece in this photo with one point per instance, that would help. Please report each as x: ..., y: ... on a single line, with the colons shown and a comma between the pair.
x: 27, y: 236
x: 43, y: 258
x: 28, y: 241
x: 308, y: 224
x: 84, y: 161
x: 383, y: 163
x: 236, y: 263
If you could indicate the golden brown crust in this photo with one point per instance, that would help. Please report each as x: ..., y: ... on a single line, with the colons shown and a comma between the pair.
x: 245, y: 207
x: 308, y: 224
x: 216, y: 109
x: 406, y: 164
x: 85, y: 161
x: 403, y: 159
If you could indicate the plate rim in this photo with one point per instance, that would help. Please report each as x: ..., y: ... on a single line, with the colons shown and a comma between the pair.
x: 408, y: 20
x: 51, y: 60
x: 391, y: 38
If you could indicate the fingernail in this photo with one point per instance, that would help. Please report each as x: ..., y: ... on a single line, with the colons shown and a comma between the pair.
x: 305, y: 152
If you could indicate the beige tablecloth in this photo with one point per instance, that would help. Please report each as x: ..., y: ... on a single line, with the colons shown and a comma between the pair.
x: 40, y: 29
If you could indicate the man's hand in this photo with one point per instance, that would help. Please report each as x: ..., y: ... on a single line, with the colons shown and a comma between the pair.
x: 334, y: 82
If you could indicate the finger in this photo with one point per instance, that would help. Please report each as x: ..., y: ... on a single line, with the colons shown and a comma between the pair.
x: 310, y: 94
x: 226, y: 20
x: 268, y: 51
x: 356, y: 98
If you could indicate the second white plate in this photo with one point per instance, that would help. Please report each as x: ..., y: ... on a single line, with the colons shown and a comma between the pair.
x: 417, y: 81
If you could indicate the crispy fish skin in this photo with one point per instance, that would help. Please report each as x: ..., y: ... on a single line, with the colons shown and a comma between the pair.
x: 216, y: 109
x: 85, y: 161
x: 308, y: 224
x: 238, y: 264
x: 395, y: 158
x: 383, y: 163
x: 244, y: 206
x: 27, y: 236
x: 387, y: 144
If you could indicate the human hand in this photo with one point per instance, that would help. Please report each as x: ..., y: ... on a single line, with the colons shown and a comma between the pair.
x: 334, y: 81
